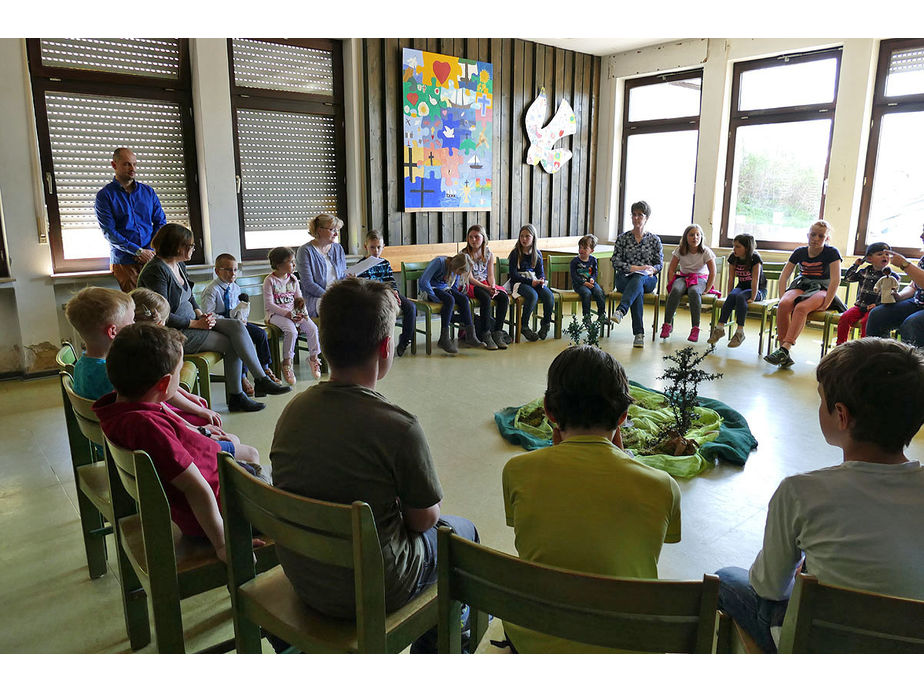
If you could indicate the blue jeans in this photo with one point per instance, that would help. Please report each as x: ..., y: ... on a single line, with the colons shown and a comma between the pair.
x: 906, y: 315
x: 531, y: 296
x: 748, y: 609
x: 586, y: 293
x: 633, y: 288
x: 738, y: 301
x: 453, y: 298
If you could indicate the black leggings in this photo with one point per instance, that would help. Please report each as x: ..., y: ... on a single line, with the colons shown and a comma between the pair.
x: 502, y: 303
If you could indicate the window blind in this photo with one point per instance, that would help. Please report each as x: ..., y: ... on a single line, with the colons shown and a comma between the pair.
x: 143, y: 57
x: 84, y: 131
x: 288, y: 173
x: 282, y: 67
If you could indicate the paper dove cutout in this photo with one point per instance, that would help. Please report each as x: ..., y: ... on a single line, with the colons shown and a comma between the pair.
x: 542, y: 139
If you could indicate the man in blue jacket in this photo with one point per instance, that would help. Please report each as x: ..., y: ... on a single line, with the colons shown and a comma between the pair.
x: 129, y: 213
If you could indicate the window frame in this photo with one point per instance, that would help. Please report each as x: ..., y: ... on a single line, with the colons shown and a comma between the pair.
x: 782, y: 114
x: 97, y: 83
x: 4, y: 261
x: 883, y: 105
x: 290, y: 102
x: 661, y: 125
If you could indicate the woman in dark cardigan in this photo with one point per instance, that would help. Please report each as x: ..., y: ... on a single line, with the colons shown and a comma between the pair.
x: 166, y: 274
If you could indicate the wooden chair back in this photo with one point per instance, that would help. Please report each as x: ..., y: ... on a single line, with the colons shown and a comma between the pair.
x: 637, y: 615
x: 338, y: 535
x: 411, y: 272
x: 82, y: 410
x: 826, y: 619
x: 66, y: 357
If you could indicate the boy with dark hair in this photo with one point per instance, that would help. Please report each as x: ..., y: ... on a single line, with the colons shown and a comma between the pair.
x: 856, y: 525
x: 144, y: 365
x: 341, y: 441
x: 878, y: 256
x: 584, y: 504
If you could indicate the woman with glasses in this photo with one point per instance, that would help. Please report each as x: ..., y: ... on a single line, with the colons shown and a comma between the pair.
x: 321, y: 261
x: 166, y: 274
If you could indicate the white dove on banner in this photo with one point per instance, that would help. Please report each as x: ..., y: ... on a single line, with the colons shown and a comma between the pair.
x: 543, y: 139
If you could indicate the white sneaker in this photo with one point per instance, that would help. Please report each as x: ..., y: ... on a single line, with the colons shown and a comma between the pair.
x: 639, y: 341
x: 617, y: 316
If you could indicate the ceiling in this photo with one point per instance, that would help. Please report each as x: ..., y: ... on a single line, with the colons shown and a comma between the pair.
x: 602, y: 46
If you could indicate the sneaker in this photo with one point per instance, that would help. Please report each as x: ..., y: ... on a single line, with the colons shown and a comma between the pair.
x: 776, y: 358
x: 272, y: 376
x: 241, y: 402
x: 666, y: 330
x: 246, y: 386
x: 507, y: 337
x: 617, y: 316
x: 448, y: 345
x: 787, y: 361
x: 501, y: 339
x: 401, y: 348
x: 488, y: 340
x: 529, y: 334
x: 736, y: 339
x: 639, y: 341
x: 544, y: 329
x: 315, y: 364
x: 694, y: 335
x: 287, y: 372
x: 265, y: 386
x: 717, y: 334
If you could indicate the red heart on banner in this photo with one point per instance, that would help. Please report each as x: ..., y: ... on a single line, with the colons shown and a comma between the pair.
x: 441, y: 70
x: 412, y: 97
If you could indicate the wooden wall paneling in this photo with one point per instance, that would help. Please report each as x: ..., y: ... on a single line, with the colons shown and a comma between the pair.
x: 578, y: 177
x: 560, y: 179
x: 532, y: 82
x: 374, y: 139
x: 505, y: 203
x: 537, y: 201
x: 486, y: 54
x: 514, y: 119
x: 497, y: 141
x: 592, y: 141
x: 393, y: 140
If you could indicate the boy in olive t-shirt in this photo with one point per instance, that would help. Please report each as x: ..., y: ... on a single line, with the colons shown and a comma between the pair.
x: 584, y: 504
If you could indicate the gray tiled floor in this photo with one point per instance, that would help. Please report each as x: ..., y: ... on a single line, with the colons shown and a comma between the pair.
x: 49, y: 604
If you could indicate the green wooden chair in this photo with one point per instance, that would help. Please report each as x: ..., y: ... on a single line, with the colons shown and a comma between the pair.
x: 562, y: 264
x: 762, y: 308
x: 637, y: 615
x: 822, y: 619
x: 819, y: 318
x: 155, y: 557
x: 339, y: 535
x: 652, y: 299
x: 708, y: 300
x: 831, y: 320
x: 94, y: 503
x: 411, y: 272
x: 515, y: 321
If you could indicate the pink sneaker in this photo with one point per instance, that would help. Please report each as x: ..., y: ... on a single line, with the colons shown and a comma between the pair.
x: 694, y: 335
x: 666, y: 330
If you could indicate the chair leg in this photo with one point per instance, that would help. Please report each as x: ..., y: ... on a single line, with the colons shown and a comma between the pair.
x: 94, y: 535
x: 205, y: 381
x: 134, y: 602
x: 247, y: 635
x: 168, y: 621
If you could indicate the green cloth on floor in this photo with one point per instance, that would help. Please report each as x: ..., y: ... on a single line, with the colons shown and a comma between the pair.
x: 721, y: 432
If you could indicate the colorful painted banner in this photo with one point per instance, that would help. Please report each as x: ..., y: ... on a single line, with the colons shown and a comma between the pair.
x: 448, y: 128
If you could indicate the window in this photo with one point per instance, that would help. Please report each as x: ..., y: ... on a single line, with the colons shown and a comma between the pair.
x: 91, y: 96
x: 4, y: 265
x: 660, y: 138
x: 287, y: 103
x: 779, y: 146
x: 892, y: 204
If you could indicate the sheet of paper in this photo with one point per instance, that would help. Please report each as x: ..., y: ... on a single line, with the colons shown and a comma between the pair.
x: 363, y: 265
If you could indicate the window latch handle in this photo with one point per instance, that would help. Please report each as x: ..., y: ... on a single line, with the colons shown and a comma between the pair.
x: 237, y: 184
x: 50, y: 182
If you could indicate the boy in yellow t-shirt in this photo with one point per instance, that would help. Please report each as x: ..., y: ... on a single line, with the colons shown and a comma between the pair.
x: 585, y: 504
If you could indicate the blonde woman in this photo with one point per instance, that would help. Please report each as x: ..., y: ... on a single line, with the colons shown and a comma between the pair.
x: 321, y: 261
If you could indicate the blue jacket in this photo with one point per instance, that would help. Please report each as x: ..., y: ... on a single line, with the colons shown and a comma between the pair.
x: 434, y: 277
x: 128, y: 220
x: 312, y: 272
x: 516, y: 270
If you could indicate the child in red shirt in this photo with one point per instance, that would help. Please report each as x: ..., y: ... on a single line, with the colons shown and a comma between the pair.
x: 144, y: 365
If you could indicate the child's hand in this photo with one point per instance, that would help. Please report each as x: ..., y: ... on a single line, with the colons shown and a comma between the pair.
x: 895, y: 295
x: 212, y: 417
x: 589, y: 284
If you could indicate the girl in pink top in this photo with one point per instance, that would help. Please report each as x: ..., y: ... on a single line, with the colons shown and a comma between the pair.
x: 285, y: 308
